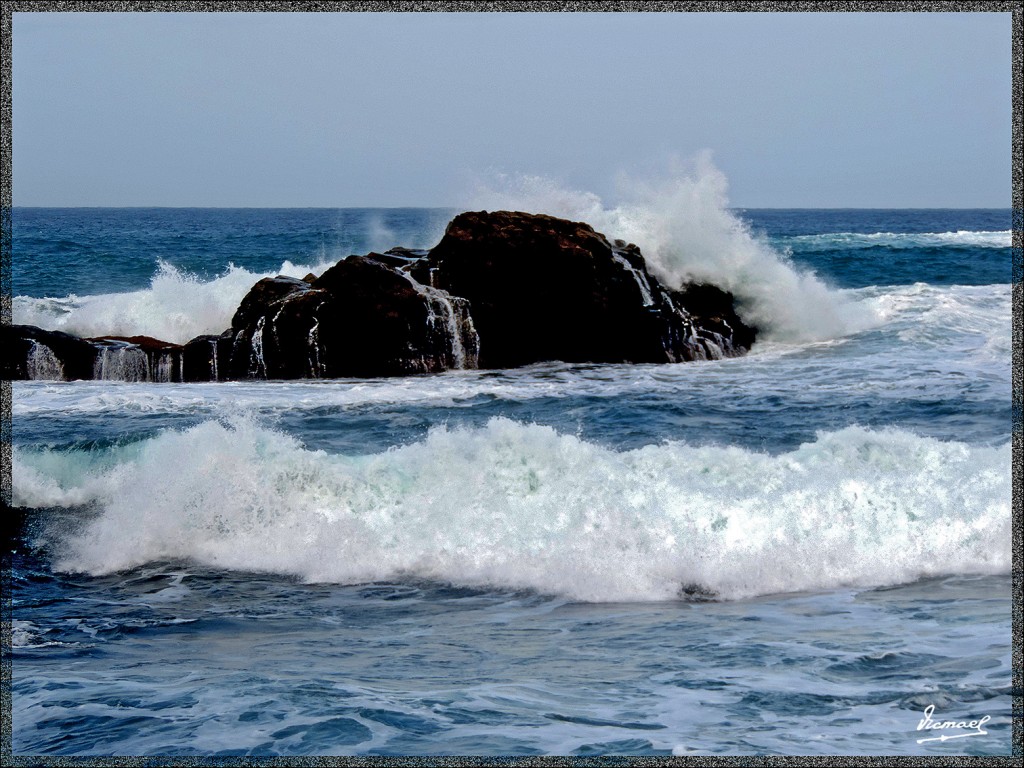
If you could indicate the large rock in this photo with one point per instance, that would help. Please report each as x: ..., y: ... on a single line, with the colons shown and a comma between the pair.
x: 366, y: 316
x: 543, y: 288
x: 500, y: 290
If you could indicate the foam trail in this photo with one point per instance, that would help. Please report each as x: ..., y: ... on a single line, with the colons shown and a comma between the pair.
x: 176, y: 307
x: 521, y: 506
x: 686, y: 232
x: 896, y: 240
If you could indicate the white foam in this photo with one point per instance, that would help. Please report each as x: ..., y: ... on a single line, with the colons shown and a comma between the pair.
x: 55, y: 479
x: 521, y: 506
x: 851, y: 240
x: 27, y: 635
x: 176, y: 307
x: 686, y: 232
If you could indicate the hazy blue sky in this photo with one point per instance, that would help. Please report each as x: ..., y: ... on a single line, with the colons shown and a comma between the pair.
x: 799, y: 110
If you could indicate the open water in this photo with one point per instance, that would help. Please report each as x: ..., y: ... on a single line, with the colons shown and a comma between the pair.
x: 793, y: 552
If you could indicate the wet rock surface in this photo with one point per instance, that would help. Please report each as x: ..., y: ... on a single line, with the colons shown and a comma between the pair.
x: 365, y: 316
x: 500, y: 290
x: 33, y: 353
x: 543, y: 288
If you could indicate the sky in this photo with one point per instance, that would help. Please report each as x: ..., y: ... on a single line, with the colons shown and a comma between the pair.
x: 393, y: 109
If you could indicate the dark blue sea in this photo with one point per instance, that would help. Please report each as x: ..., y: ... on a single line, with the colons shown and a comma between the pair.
x: 805, y: 550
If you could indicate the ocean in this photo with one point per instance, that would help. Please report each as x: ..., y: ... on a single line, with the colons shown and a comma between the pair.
x: 805, y: 550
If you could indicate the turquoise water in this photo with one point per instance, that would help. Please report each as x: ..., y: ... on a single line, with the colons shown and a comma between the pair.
x: 794, y: 552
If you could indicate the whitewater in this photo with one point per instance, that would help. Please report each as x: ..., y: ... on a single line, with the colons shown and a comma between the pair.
x: 792, y: 552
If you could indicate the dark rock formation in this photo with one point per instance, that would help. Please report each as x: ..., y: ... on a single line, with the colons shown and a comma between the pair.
x: 543, y: 288
x: 365, y: 316
x: 535, y: 287
x: 32, y: 353
x: 714, y: 316
x: 207, y: 358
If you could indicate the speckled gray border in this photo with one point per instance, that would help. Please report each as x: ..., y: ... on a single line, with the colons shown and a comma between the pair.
x: 6, y: 155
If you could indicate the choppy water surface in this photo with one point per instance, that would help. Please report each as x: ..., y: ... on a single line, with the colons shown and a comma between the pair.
x: 170, y: 659
x: 794, y: 552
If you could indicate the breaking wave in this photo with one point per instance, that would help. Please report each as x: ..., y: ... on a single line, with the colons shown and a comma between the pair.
x: 683, y: 226
x: 686, y: 232
x: 518, y: 506
x: 176, y: 307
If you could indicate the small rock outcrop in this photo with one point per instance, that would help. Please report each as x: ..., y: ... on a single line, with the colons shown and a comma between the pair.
x: 32, y: 353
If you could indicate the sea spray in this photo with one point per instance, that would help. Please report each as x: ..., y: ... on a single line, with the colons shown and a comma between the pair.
x: 521, y: 506
x: 682, y: 225
x: 414, y: 664
x: 686, y: 232
x: 176, y: 307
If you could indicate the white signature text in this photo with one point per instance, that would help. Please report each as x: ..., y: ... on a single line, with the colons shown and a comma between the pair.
x: 972, y: 727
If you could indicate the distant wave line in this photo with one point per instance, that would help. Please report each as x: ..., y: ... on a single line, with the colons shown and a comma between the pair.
x: 961, y: 238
